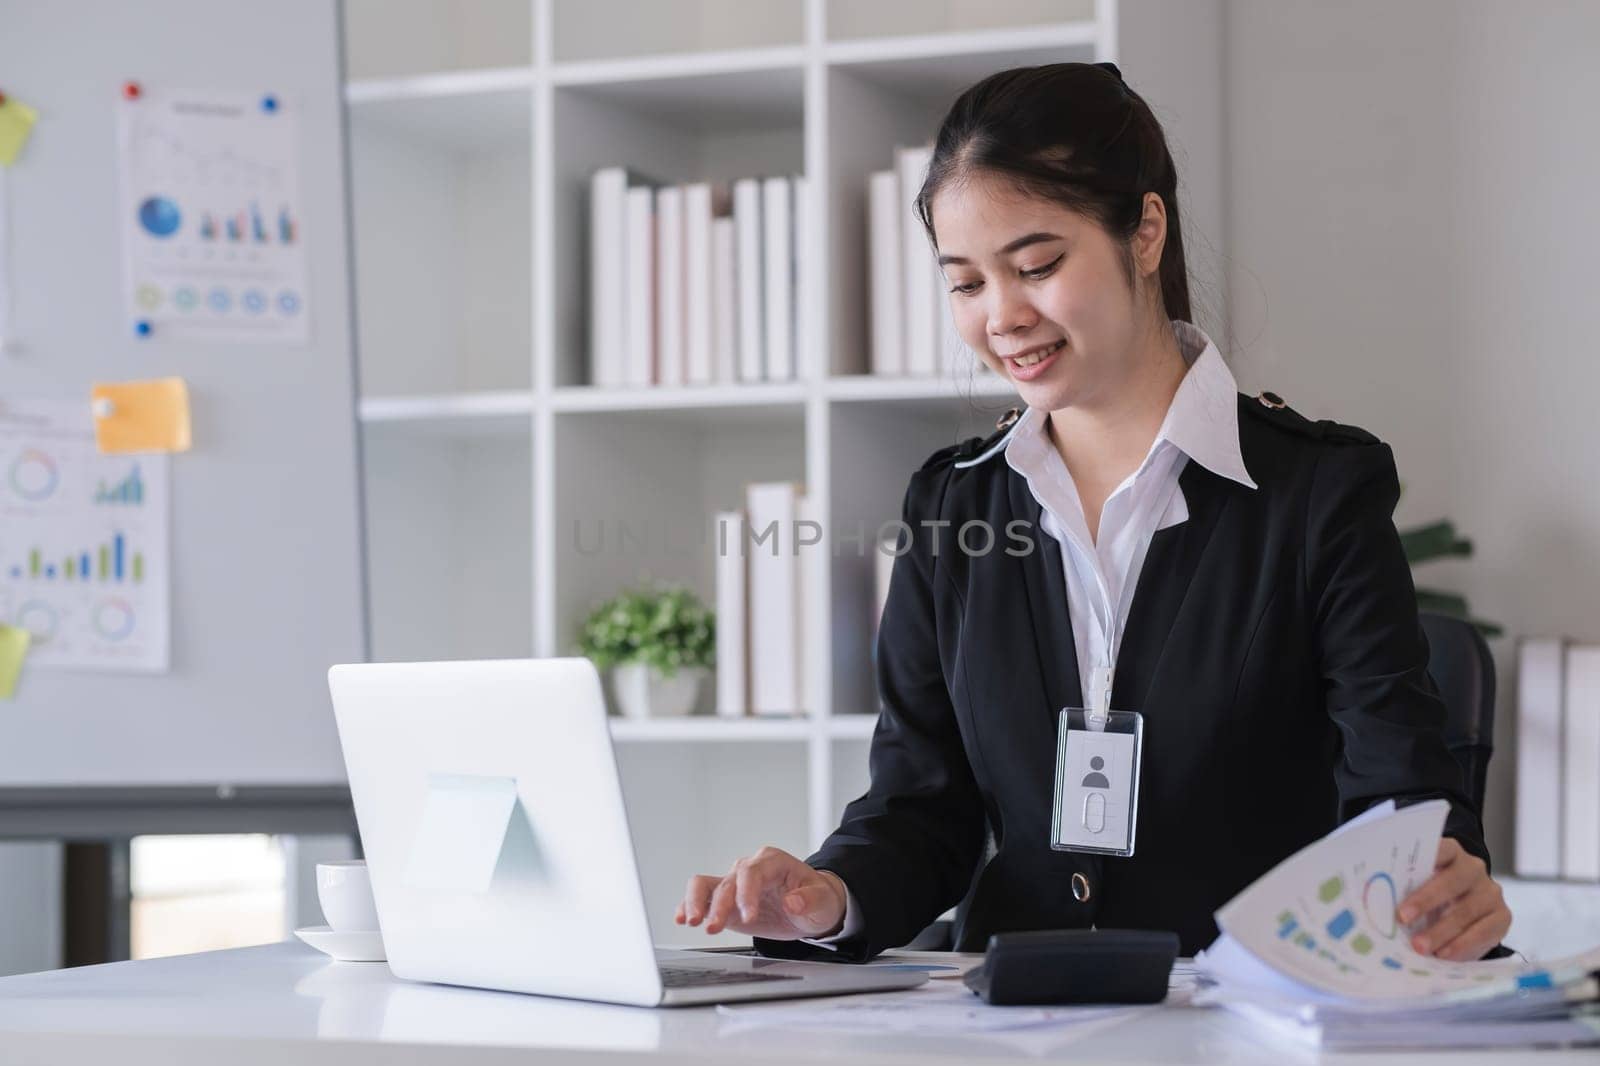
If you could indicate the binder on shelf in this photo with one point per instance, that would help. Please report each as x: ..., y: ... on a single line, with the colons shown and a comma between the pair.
x: 777, y: 278
x: 608, y: 270
x: 774, y: 599
x: 725, y: 302
x: 697, y: 212
x: 1580, y: 772
x: 885, y: 294
x: 918, y: 268
x: 640, y: 342
x: 669, y: 286
x: 1541, y: 679
x: 748, y: 264
x: 733, y: 699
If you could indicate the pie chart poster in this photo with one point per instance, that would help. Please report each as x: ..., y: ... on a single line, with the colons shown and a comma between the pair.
x: 210, y: 216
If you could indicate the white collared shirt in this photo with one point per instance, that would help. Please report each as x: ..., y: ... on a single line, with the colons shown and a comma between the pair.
x: 1202, y: 424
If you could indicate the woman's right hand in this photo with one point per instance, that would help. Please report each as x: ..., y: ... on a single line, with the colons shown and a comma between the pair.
x: 769, y: 894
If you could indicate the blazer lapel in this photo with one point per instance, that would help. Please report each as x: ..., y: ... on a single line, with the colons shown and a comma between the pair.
x: 1045, y: 586
x: 1169, y: 568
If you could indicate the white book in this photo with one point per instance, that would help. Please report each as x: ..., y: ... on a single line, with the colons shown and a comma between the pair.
x: 1540, y: 679
x: 812, y: 551
x: 669, y: 286
x: 733, y: 699
x: 800, y: 252
x: 725, y: 303
x: 640, y: 337
x: 747, y: 261
x: 608, y: 281
x: 777, y: 277
x: 697, y: 283
x: 917, y: 267
x: 774, y: 599
x: 1580, y: 821
x: 884, y: 211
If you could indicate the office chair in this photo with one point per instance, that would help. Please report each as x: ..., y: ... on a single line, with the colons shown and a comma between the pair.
x: 1462, y: 668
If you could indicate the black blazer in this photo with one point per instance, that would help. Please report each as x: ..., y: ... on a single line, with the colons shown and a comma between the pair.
x: 1272, y: 645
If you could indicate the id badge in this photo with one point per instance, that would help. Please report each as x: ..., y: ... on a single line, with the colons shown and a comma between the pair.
x: 1097, y: 783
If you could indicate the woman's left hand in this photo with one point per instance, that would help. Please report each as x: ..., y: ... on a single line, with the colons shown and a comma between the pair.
x: 1470, y: 913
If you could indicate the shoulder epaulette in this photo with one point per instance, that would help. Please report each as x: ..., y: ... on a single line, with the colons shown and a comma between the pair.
x: 985, y: 448
x: 1269, y: 407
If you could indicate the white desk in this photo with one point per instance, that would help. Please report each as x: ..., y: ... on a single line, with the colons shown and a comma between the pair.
x: 285, y: 1003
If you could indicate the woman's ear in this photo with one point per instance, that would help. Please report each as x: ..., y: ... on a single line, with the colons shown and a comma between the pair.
x: 1151, y: 236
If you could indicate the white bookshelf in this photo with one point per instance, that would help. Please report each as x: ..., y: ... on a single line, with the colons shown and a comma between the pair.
x: 474, y: 127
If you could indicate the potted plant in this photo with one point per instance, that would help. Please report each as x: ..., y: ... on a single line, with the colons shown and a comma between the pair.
x: 658, y: 644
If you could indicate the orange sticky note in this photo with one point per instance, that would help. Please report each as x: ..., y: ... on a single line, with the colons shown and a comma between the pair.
x: 141, y: 416
x: 16, y: 122
x: 14, y: 641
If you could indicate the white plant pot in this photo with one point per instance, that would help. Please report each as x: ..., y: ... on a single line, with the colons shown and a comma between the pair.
x: 642, y: 692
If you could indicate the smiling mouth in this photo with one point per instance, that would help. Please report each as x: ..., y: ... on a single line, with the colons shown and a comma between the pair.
x: 1036, y: 357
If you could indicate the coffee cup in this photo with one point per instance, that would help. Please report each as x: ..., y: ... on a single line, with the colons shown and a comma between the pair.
x: 345, y: 892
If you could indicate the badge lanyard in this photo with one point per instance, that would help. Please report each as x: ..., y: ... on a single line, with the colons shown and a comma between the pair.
x: 1098, y: 750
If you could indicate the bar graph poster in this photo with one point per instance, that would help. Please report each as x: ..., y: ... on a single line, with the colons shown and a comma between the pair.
x: 210, y: 217
x: 83, y: 542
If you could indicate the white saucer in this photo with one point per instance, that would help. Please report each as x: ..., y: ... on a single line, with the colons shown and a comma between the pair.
x: 346, y: 947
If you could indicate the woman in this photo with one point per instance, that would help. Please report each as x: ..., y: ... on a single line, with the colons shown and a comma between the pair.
x: 1272, y: 646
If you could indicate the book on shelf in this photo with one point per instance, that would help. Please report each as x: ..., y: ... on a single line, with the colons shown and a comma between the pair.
x: 748, y: 265
x: 811, y: 551
x: 919, y: 269
x: 773, y: 571
x: 640, y: 297
x: 725, y: 302
x: 777, y: 277
x: 669, y: 286
x: 697, y: 281
x: 733, y: 696
x: 1541, y: 666
x: 695, y: 284
x: 1314, y: 950
x: 885, y: 311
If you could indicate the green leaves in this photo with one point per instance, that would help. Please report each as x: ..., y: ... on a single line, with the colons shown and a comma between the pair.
x: 664, y: 626
x: 1439, y: 540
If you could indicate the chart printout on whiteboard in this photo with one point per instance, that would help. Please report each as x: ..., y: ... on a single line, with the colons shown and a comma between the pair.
x: 211, y: 216
x: 84, y: 551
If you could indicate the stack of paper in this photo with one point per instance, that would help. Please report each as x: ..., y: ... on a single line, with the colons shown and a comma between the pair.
x: 694, y: 284
x: 1314, y: 949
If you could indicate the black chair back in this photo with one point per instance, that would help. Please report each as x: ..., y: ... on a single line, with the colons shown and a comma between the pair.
x: 1462, y: 667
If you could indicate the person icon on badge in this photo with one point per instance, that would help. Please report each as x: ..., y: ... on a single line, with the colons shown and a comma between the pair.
x: 1096, y: 779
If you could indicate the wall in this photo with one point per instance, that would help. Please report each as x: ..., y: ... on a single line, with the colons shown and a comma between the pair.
x: 1410, y: 227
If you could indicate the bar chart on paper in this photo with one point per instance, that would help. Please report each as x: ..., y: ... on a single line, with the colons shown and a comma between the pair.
x: 83, y: 542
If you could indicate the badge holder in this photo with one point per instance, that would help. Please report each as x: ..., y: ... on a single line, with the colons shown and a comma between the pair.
x: 1097, y: 781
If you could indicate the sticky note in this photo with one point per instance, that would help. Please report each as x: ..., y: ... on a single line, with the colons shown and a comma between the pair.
x: 141, y: 416
x: 16, y: 122
x: 461, y: 832
x: 14, y: 642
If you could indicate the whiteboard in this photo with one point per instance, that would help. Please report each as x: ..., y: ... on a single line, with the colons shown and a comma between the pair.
x: 267, y: 584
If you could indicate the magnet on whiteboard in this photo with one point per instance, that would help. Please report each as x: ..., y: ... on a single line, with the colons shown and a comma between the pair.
x: 103, y: 408
x: 142, y: 327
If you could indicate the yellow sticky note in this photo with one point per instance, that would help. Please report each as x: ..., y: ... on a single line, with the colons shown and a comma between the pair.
x: 141, y: 416
x: 16, y: 122
x: 14, y: 641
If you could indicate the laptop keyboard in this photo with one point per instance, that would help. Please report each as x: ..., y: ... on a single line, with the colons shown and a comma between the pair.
x: 698, y: 977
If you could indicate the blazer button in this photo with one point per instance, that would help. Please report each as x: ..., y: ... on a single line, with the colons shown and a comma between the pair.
x: 1009, y: 419
x: 1272, y: 400
x: 1080, y: 888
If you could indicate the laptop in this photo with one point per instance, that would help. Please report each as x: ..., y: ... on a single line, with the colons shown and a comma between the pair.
x: 497, y: 842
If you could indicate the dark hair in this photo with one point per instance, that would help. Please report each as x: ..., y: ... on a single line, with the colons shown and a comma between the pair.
x: 1072, y: 133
